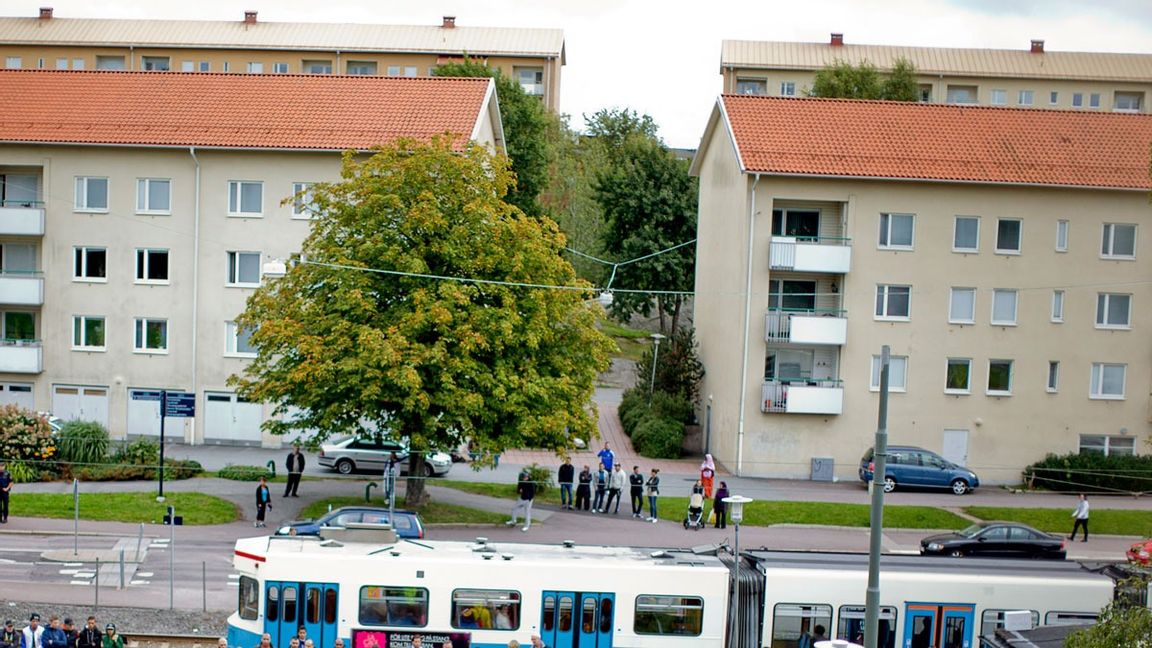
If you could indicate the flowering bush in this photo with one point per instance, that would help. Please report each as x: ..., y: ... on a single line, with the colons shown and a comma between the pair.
x: 26, y: 442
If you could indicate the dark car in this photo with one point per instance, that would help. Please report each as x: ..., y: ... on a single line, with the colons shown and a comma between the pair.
x: 1007, y: 539
x: 407, y: 523
x: 917, y: 467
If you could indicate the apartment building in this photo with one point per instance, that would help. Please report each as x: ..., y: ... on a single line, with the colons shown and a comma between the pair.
x: 534, y: 57
x: 1025, y: 78
x: 139, y: 211
x: 998, y: 252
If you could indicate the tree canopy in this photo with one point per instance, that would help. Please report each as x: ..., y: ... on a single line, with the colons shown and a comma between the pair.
x: 846, y: 81
x: 1120, y: 624
x: 360, y: 335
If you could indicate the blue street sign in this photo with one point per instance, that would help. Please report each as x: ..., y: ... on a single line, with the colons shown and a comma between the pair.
x: 179, y: 404
x: 145, y: 395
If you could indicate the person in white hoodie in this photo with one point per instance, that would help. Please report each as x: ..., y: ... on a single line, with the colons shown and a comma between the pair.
x: 1081, y: 515
x: 615, y: 488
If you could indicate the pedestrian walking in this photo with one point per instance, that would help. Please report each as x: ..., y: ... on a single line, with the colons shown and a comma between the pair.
x: 54, y: 636
x: 295, y: 464
x: 263, y: 501
x: 390, y: 477
x: 526, y: 490
x: 1081, y: 516
x: 566, y: 475
x: 607, y: 457
x: 720, y: 507
x: 89, y: 635
x: 653, y: 485
x: 707, y: 474
x: 601, y: 489
x: 636, y: 484
x: 111, y: 639
x: 584, y: 490
x: 615, y: 488
x: 6, y: 482
x: 9, y: 637
x: 32, y: 634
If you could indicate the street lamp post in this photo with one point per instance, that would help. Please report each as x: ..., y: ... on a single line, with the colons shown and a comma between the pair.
x: 656, y: 337
x: 736, y: 514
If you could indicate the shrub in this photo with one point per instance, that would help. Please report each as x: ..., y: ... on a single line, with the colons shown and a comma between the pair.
x: 672, y: 406
x: 26, y: 437
x: 659, y: 438
x: 243, y: 473
x: 182, y: 468
x: 83, y: 442
x: 678, y: 368
x: 633, y: 418
x: 542, y: 475
x: 139, y: 452
x: 1091, y: 472
x: 115, y: 472
x: 22, y: 472
x: 634, y: 398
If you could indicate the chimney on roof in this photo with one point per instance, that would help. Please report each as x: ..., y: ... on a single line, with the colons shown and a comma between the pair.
x: 1037, y: 46
x: 45, y: 13
x: 837, y: 40
x: 449, y: 22
x: 249, y: 17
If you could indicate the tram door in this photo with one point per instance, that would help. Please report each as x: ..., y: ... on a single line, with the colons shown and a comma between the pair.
x: 577, y: 619
x: 938, y: 625
x: 289, y: 605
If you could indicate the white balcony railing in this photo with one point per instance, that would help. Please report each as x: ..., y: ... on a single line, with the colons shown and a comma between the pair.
x: 21, y: 219
x: 21, y: 289
x: 806, y: 326
x: 533, y: 89
x: 802, y: 396
x: 808, y: 254
x: 21, y: 356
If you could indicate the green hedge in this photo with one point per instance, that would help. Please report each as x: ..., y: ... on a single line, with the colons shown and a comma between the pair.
x: 173, y: 469
x: 658, y: 437
x: 244, y: 473
x: 1091, y: 472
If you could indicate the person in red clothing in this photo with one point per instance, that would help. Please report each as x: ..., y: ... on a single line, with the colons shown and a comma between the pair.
x: 707, y: 474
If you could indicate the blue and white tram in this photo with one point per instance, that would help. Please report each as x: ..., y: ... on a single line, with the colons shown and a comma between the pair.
x: 475, y: 594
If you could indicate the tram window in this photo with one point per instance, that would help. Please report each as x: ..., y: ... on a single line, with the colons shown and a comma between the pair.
x: 588, y: 617
x: 851, y: 625
x: 272, y: 605
x: 993, y: 620
x: 394, y: 606
x: 487, y: 609
x: 289, y: 605
x: 954, y: 631
x: 249, y: 606
x: 669, y: 615
x: 794, y: 624
x: 329, y: 605
x: 565, y: 614
x: 606, y: 615
x: 549, y: 621
x: 1069, y: 618
x: 312, y: 605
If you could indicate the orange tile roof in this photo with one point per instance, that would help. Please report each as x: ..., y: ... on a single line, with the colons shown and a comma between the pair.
x: 234, y: 110
x: 879, y: 139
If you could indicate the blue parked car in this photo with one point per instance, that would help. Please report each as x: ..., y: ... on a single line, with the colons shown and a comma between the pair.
x: 407, y: 523
x: 909, y: 466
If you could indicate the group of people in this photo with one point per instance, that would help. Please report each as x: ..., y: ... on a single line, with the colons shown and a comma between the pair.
x: 301, y: 640
x: 601, y: 491
x: 60, y: 633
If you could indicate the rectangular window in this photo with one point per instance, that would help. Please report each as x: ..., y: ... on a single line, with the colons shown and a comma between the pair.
x: 1025, y: 98
x: 1108, y: 381
x: 91, y: 194
x: 1061, y: 236
x: 961, y: 94
x: 1008, y: 236
x: 280, y: 68
x: 751, y: 87
x: 206, y: 66
x: 153, y: 196
x: 1113, y: 310
x: 13, y: 62
x: 151, y: 266
x: 1107, y: 445
x: 249, y: 607
x: 925, y: 94
x: 1053, y: 98
x: 1004, y: 307
x: 317, y: 67
x: 787, y: 88
x: 155, y: 63
x: 1094, y: 100
x: 393, y: 70
x: 410, y: 71
x: 893, y: 302
x: 245, y: 198
x: 1128, y: 101
x: 239, y: 341
x: 669, y: 615
x: 1000, y: 377
x: 896, y: 231
x: 109, y: 62
x: 958, y: 377
x: 19, y: 326
x: 792, y: 622
x: 87, y: 333
x: 1118, y: 241
x: 999, y: 97
x: 61, y: 64
x: 77, y: 64
x: 486, y: 609
x: 966, y: 234
x: 393, y: 606
x: 302, y: 206
x: 362, y: 68
x: 18, y: 258
x: 243, y: 268
x: 1053, y: 375
x: 1057, y: 306
x: 1077, y: 100
x: 962, y: 306
x: 90, y: 264
x: 991, y: 620
x: 151, y: 335
x: 225, y: 66
x: 255, y: 67
x: 188, y: 66
x: 897, y: 373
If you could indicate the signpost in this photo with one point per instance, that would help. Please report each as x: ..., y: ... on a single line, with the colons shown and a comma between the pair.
x: 174, y: 404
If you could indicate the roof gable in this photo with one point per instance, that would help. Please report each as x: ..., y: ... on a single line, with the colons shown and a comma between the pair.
x: 316, y: 112
x: 913, y: 141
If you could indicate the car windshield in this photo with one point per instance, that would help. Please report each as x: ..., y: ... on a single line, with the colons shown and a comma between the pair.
x: 972, y: 531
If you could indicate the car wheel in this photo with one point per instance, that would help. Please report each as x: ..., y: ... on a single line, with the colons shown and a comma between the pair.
x: 428, y: 472
x: 959, y: 487
x: 889, y: 484
x: 345, y: 466
x: 956, y: 553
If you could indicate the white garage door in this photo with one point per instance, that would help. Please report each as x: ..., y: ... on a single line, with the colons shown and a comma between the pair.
x: 19, y: 394
x: 144, y: 418
x: 231, y: 419
x: 80, y: 403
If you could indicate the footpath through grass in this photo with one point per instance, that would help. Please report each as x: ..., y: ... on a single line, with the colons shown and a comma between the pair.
x: 433, y: 512
x: 195, y: 508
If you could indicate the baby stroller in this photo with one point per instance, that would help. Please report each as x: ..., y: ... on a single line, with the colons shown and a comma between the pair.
x: 695, y: 517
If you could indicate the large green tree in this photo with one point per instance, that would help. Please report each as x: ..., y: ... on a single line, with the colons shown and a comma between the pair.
x: 569, y: 199
x: 846, y: 81
x: 362, y: 335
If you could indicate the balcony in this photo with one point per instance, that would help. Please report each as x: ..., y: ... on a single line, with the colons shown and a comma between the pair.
x: 21, y: 289
x: 533, y: 89
x: 21, y: 218
x: 21, y: 356
x: 806, y: 326
x: 802, y: 397
x: 810, y: 254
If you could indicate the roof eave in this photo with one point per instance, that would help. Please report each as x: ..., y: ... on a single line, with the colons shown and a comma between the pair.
x: 1038, y: 185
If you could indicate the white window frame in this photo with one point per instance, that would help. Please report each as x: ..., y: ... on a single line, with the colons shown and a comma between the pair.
x: 897, y: 377
x: 1108, y: 242
x: 231, y: 340
x: 1136, y: 95
x: 1077, y: 99
x: 143, y: 263
x: 13, y: 62
x: 234, y: 259
x: 411, y: 71
x: 1094, y: 100
x: 80, y: 275
x: 1061, y: 236
x: 62, y: 63
x: 82, y: 343
x: 1053, y: 380
x: 140, y: 335
x: 997, y: 295
x: 279, y: 68
x: 884, y: 291
x: 955, y: 231
x: 1019, y: 236
x: 998, y: 97
x: 1025, y: 97
x: 1011, y: 376
x: 954, y: 390
x: 226, y: 66
x: 393, y: 70
x: 1106, y: 449
x: 144, y: 196
x: 301, y: 205
x: 1103, y: 304
x: 187, y: 66
x: 787, y: 88
x: 952, y: 319
x: 1053, y: 98
x: 82, y: 204
x: 206, y: 66
x: 1057, y: 307
x: 884, y: 241
x: 236, y: 199
x: 362, y: 68
x: 1096, y: 381
x: 145, y: 61
x: 255, y: 67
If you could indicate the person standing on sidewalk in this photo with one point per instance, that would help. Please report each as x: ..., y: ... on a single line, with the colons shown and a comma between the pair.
x: 263, y: 501
x: 615, y: 489
x: 6, y: 482
x: 295, y: 464
x: 602, y: 478
x: 526, y: 489
x: 653, y: 484
x: 584, y: 490
x: 566, y: 475
x: 707, y: 474
x: 607, y: 457
x: 720, y: 507
x: 636, y: 482
x: 89, y: 635
x: 1081, y: 515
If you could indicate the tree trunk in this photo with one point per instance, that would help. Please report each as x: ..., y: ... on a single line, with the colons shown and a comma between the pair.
x: 677, y: 303
x: 660, y: 311
x: 414, y: 494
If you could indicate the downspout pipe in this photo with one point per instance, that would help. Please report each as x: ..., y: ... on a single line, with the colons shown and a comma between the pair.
x: 747, y: 329
x: 195, y: 280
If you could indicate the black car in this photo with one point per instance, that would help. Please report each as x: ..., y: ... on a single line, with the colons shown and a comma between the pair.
x: 1007, y: 539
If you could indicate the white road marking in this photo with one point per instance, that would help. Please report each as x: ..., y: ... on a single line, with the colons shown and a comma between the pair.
x: 73, y: 564
x: 140, y: 582
x: 144, y: 574
x: 233, y: 584
x: 233, y: 576
x: 81, y: 582
x: 69, y: 571
x: 84, y: 574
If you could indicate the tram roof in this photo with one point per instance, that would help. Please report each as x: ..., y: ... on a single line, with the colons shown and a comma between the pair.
x: 771, y: 560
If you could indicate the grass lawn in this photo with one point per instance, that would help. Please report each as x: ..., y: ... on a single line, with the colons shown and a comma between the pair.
x: 632, y: 342
x: 195, y: 508
x: 432, y: 513
x: 1059, y: 521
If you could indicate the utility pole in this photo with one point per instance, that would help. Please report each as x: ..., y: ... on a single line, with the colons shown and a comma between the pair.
x: 876, y: 520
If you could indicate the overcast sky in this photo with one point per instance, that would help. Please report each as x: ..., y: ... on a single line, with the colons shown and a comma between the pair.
x: 663, y: 58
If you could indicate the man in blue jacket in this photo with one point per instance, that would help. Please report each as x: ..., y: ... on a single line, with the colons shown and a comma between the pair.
x: 54, y: 636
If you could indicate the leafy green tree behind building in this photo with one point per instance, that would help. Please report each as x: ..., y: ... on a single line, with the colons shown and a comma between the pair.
x: 843, y: 80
